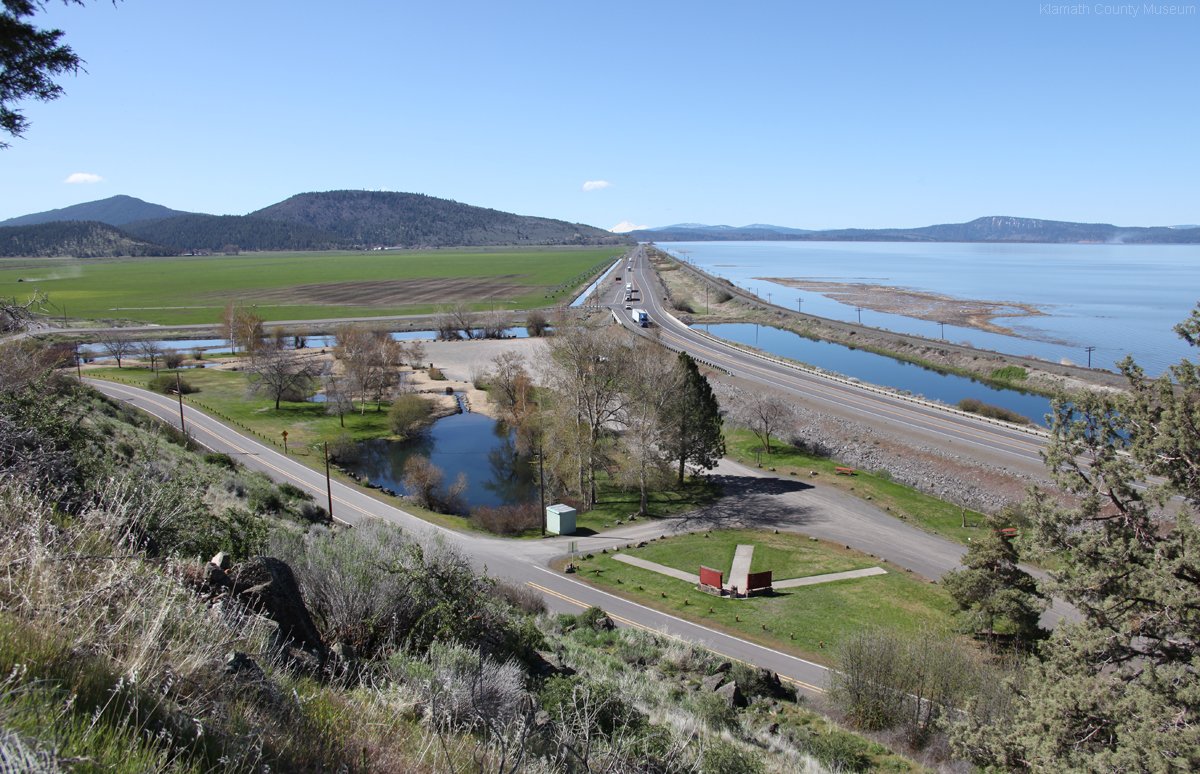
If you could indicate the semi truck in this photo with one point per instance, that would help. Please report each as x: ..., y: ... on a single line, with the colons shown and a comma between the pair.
x: 640, y: 317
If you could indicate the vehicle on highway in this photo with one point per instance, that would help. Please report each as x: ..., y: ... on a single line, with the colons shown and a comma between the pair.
x: 640, y: 317
x: 628, y: 307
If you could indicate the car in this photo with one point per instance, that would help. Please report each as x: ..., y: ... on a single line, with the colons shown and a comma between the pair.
x: 628, y: 307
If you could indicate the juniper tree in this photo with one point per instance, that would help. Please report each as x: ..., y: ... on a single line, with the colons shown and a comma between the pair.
x: 695, y: 421
x: 1119, y: 689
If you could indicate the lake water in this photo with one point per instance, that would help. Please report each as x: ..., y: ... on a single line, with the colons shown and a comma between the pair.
x: 1120, y: 299
x: 467, y: 443
x: 879, y: 369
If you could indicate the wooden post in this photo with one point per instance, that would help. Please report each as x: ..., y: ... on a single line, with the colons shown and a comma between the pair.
x: 284, y: 434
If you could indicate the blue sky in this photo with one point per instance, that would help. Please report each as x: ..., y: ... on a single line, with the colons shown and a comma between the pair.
x: 807, y: 114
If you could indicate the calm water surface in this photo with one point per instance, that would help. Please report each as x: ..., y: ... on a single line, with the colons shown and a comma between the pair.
x: 473, y: 444
x: 879, y: 369
x: 1120, y: 299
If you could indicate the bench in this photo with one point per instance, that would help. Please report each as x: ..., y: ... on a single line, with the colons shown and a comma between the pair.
x: 844, y: 471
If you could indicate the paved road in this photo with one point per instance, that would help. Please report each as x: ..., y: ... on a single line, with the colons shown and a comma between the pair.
x: 522, y: 562
x: 951, y: 430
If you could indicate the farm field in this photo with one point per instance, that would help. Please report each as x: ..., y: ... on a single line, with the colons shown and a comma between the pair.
x: 809, y: 621
x: 305, y: 286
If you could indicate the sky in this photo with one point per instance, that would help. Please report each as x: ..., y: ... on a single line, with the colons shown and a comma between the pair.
x: 805, y: 114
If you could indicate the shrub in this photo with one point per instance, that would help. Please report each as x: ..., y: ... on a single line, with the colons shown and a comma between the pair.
x: 721, y: 296
x: 840, y: 751
x: 221, y: 460
x: 172, y: 359
x: 344, y: 449
x: 313, y: 513
x: 435, y: 374
x: 1010, y: 373
x: 293, y: 491
x: 682, y: 305
x: 522, y: 598
x: 166, y: 384
x: 507, y: 519
x: 992, y: 412
x: 536, y: 323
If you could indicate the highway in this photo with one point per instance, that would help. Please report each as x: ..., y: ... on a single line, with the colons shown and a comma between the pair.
x: 979, y: 438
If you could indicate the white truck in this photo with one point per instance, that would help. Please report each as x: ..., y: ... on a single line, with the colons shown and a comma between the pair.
x: 640, y: 317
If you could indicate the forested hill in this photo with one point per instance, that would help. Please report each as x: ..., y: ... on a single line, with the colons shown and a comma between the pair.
x: 997, y: 228
x: 317, y: 221
x: 115, y: 211
x: 223, y: 233
x: 81, y: 239
x: 390, y: 219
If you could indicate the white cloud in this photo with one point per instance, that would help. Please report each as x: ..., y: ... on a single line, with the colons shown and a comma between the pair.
x: 82, y: 177
x: 595, y: 185
x: 626, y: 226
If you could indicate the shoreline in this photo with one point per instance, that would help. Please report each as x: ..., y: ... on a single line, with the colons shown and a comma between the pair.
x: 979, y: 314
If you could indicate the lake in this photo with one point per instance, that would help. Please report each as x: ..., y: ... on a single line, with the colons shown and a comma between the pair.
x: 1120, y: 299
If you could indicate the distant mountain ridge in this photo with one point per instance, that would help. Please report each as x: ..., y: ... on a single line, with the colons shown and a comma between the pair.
x: 115, y: 211
x: 996, y: 228
x: 310, y: 221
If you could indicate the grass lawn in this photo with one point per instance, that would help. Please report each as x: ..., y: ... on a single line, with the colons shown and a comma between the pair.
x: 617, y: 504
x: 309, y: 285
x: 906, y: 503
x: 810, y: 620
x: 223, y: 394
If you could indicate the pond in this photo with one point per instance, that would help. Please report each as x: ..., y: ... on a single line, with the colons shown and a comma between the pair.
x: 879, y: 369
x: 468, y: 443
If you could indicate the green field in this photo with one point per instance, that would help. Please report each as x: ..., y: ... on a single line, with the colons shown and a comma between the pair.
x: 305, y: 286
x: 809, y: 620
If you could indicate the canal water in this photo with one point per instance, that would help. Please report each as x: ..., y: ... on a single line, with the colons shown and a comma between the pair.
x: 468, y: 443
x: 879, y: 369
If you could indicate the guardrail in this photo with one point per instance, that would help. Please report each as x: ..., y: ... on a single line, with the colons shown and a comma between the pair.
x: 924, y: 402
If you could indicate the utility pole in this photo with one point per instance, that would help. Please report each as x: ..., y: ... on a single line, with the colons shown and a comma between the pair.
x: 328, y: 483
x: 942, y: 326
x: 1090, y: 350
x: 179, y: 393
x: 706, y: 311
x: 859, y: 310
x: 542, y: 486
x: 799, y: 302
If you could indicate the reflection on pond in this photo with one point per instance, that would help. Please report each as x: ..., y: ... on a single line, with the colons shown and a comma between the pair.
x: 472, y: 444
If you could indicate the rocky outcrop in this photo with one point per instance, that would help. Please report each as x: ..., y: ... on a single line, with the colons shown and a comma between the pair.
x: 267, y: 586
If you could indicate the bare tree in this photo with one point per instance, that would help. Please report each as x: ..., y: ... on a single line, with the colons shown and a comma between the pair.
x: 339, y: 400
x: 493, y: 324
x: 151, y: 351
x: 17, y: 317
x: 536, y: 323
x: 765, y: 414
x: 505, y: 378
x: 281, y: 374
x: 118, y: 345
x: 588, y: 374
x: 464, y: 320
x: 653, y: 385
x: 371, y: 359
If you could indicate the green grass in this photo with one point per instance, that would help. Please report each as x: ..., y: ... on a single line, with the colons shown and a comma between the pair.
x: 615, y: 503
x: 223, y: 394
x: 809, y: 620
x: 195, y: 290
x: 904, y: 502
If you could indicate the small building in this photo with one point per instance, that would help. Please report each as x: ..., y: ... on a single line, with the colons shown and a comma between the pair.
x: 560, y: 519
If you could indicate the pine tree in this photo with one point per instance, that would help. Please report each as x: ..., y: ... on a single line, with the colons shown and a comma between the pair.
x: 999, y: 599
x: 695, y: 421
x: 1119, y: 689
